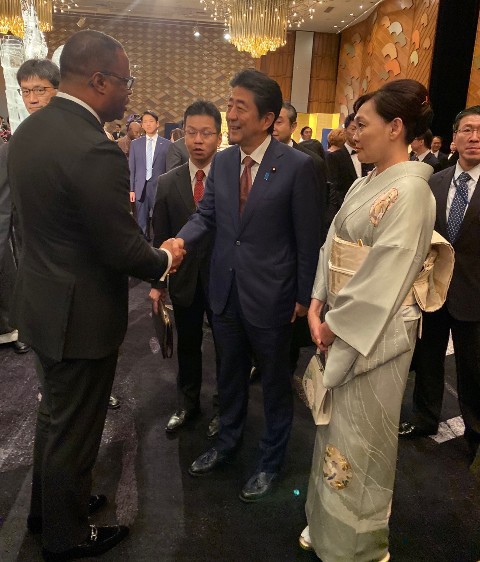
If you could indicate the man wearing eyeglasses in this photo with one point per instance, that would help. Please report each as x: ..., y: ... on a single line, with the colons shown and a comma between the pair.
x: 179, y: 192
x: 71, y: 297
x: 457, y: 193
x: 38, y: 80
x: 147, y: 160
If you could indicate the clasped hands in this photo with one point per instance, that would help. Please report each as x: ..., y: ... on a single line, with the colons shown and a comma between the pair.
x: 176, y: 246
x: 320, y: 332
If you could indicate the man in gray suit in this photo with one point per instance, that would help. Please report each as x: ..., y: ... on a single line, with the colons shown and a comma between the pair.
x: 177, y: 154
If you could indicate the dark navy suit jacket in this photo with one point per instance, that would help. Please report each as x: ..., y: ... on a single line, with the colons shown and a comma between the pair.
x: 272, y: 249
x: 138, y: 162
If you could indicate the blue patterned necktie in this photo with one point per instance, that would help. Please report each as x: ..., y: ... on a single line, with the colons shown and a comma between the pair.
x: 149, y: 157
x: 459, y: 204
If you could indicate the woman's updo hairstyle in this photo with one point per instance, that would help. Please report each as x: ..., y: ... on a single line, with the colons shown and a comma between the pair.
x: 406, y: 99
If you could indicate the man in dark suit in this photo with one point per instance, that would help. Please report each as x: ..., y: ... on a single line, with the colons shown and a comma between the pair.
x: 70, y: 301
x: 177, y: 154
x: 38, y: 81
x: 283, y: 130
x: 457, y: 195
x: 421, y: 151
x: 178, y: 194
x: 436, y: 151
x: 260, y: 203
x: 343, y: 168
x: 147, y: 160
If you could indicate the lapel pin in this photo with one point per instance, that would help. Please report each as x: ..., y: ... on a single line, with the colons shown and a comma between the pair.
x: 273, y: 170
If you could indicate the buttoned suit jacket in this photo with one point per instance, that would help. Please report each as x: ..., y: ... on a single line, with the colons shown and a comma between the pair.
x: 173, y: 207
x: 271, y: 250
x: 177, y: 154
x: 463, y: 301
x: 70, y: 185
x: 138, y: 162
x: 442, y: 158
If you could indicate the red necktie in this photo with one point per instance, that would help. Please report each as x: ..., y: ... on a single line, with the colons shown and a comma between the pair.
x: 198, y: 188
x: 246, y: 181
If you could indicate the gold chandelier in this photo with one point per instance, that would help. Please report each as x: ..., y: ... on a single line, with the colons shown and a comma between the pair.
x: 259, y: 26
x: 11, y: 20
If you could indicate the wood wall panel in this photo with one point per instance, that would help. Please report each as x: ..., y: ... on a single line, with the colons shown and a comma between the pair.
x: 279, y: 65
x: 473, y: 97
x: 323, y: 76
x: 171, y: 66
x: 395, y: 41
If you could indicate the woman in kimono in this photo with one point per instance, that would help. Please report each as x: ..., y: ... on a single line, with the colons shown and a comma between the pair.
x: 375, y: 249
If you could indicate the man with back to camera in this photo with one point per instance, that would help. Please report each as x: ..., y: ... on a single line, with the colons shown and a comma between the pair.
x: 258, y: 202
x: 71, y: 295
x: 178, y: 194
x: 147, y: 162
x: 38, y: 83
x: 457, y: 194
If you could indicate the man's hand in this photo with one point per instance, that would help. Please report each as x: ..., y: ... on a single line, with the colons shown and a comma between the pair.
x: 132, y: 196
x: 157, y: 295
x: 176, y: 250
x: 327, y: 337
x: 299, y: 311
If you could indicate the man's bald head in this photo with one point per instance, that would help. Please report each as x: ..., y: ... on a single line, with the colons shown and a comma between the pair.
x: 86, y: 52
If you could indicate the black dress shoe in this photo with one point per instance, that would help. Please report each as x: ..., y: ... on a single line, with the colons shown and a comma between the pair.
x: 213, y: 427
x: 259, y: 485
x: 113, y: 403
x: 180, y: 418
x: 20, y: 347
x: 95, y: 503
x: 208, y: 461
x: 100, y: 540
x: 408, y: 430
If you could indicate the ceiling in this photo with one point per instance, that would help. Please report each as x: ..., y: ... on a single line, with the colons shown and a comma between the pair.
x: 331, y: 16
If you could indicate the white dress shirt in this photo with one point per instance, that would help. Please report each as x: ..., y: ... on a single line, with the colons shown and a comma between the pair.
x: 474, y: 174
x: 80, y: 102
x: 257, y: 155
x: 356, y: 162
x: 154, y: 144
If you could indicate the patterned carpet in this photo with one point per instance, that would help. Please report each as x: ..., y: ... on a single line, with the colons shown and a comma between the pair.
x: 176, y: 518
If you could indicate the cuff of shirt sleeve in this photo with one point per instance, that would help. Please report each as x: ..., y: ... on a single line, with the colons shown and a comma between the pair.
x: 169, y: 256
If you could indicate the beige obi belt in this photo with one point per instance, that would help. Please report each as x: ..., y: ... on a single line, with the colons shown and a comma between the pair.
x: 430, y: 288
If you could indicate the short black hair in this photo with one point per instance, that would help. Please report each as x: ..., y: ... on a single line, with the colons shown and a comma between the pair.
x: 305, y: 128
x: 291, y: 112
x: 42, y: 68
x: 203, y: 107
x: 151, y: 113
x: 86, y: 52
x: 438, y: 137
x: 427, y: 138
x: 405, y: 99
x: 473, y: 110
x: 266, y: 92
x: 348, y: 119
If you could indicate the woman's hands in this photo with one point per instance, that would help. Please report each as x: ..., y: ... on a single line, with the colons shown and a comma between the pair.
x: 321, y: 334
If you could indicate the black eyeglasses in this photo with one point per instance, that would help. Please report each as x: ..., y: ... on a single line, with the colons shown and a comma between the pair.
x: 38, y: 91
x: 128, y: 81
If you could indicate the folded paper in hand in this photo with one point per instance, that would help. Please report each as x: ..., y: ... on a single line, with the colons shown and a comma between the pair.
x: 163, y: 329
x: 319, y: 398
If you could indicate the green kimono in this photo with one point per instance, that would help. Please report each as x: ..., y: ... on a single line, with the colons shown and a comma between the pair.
x: 353, y: 470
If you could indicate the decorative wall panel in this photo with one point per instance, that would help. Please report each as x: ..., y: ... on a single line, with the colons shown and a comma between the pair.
x: 396, y: 41
x: 279, y: 65
x: 171, y: 66
x: 323, y: 75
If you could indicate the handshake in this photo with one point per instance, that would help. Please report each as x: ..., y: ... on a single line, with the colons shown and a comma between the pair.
x: 176, y: 247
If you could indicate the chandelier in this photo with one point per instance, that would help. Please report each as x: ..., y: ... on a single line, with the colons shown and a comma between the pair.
x: 11, y: 20
x: 259, y: 26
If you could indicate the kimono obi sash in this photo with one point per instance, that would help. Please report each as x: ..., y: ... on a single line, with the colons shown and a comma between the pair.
x: 430, y: 288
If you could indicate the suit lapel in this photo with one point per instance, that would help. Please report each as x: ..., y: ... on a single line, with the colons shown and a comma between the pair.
x: 441, y: 196
x: 233, y: 186
x: 185, y: 187
x: 473, y: 210
x: 142, y: 147
x: 158, y: 144
x: 349, y: 162
x: 264, y: 179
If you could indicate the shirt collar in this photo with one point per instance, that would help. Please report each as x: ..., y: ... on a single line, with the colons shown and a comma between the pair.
x: 193, y: 169
x: 474, y: 173
x: 80, y: 102
x: 259, y: 152
x: 290, y: 142
x: 349, y: 148
x: 421, y: 157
